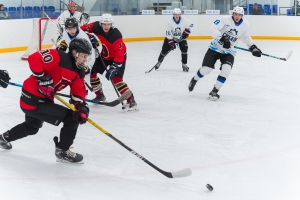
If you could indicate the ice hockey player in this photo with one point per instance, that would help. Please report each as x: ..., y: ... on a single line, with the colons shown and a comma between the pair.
x: 71, y: 12
x: 71, y: 32
x: 112, y: 57
x: 4, y: 78
x: 178, y: 29
x: 225, y: 31
x: 53, y: 70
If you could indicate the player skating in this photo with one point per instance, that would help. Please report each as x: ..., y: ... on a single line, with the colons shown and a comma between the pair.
x: 71, y: 32
x: 226, y: 31
x: 113, y: 56
x: 53, y: 70
x: 178, y: 29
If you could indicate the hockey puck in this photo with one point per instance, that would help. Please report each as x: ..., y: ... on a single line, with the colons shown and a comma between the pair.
x: 209, y: 187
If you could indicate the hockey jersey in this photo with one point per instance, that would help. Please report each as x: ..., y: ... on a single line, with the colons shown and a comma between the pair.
x: 113, y: 47
x: 234, y: 31
x: 61, y: 67
x: 66, y: 14
x: 175, y: 29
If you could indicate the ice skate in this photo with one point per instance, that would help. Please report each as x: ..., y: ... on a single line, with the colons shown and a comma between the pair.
x: 3, y: 141
x: 213, y: 96
x: 100, y: 97
x: 66, y: 156
x: 131, y: 106
x: 192, y: 84
x: 157, y: 65
x: 185, y: 68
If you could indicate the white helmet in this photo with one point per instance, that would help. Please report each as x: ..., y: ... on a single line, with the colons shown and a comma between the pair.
x: 176, y: 11
x: 106, y: 19
x: 238, y: 10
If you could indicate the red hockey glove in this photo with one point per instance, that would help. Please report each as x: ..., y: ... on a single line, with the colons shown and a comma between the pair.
x: 45, y: 86
x: 82, y: 113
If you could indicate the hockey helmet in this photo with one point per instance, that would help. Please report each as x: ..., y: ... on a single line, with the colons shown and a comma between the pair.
x: 72, y: 7
x: 106, y: 19
x: 238, y: 10
x: 177, y: 11
x: 71, y: 23
x: 80, y: 45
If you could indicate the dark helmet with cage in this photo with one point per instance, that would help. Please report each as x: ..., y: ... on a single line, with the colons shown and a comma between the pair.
x: 71, y: 23
x: 80, y: 45
x: 72, y: 7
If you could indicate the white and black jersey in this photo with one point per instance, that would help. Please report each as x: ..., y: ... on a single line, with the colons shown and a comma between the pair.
x: 66, y: 14
x: 175, y: 29
x: 80, y: 34
x: 234, y: 31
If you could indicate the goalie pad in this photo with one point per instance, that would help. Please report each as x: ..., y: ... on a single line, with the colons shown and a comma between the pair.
x: 62, y: 46
x: 96, y: 84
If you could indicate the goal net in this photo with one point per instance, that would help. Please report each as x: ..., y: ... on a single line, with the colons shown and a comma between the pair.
x: 43, y: 31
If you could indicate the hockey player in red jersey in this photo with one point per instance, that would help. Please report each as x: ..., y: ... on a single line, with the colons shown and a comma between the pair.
x: 113, y: 54
x: 53, y: 70
x: 4, y: 78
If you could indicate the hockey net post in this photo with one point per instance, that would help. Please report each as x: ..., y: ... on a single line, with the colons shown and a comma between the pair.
x: 42, y: 32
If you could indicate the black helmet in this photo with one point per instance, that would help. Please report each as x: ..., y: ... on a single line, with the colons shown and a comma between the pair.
x: 80, y: 45
x: 71, y: 23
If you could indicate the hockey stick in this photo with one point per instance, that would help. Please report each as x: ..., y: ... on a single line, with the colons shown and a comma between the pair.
x: 178, y: 174
x: 284, y: 59
x: 60, y: 30
x: 120, y: 99
x: 157, y: 62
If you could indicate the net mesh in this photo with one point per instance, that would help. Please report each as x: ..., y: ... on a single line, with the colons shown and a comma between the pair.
x: 43, y: 31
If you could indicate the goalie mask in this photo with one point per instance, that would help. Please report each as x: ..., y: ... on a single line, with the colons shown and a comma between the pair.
x: 72, y: 7
x: 83, y: 51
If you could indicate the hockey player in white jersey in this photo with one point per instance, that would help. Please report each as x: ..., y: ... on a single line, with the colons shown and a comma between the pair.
x: 225, y: 31
x: 71, y: 32
x: 178, y: 29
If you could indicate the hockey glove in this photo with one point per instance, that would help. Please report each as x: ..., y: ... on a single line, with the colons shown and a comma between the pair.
x: 87, y: 70
x: 62, y: 46
x: 225, y: 41
x: 255, y: 51
x: 4, y: 78
x: 172, y: 44
x: 185, y: 34
x: 45, y: 86
x: 82, y: 113
x: 94, y: 41
x: 112, y: 71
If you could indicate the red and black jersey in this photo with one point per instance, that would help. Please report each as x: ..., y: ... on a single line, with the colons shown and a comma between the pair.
x: 113, y: 47
x: 61, y: 67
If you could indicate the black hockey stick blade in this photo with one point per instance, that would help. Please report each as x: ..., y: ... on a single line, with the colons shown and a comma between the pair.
x: 157, y: 62
x: 114, y: 103
x: 284, y: 59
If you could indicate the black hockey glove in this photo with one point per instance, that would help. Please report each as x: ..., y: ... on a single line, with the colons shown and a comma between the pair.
x: 82, y: 113
x: 255, y: 51
x: 94, y: 41
x: 45, y: 86
x: 112, y: 71
x: 62, y: 46
x: 4, y: 78
x: 172, y: 44
x: 226, y: 43
x: 185, y: 33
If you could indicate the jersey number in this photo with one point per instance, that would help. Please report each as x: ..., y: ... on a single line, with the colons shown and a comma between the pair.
x: 46, y: 57
x: 168, y: 33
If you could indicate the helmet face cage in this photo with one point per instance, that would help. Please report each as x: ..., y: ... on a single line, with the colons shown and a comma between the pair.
x: 106, y: 19
x: 80, y: 45
x: 72, y: 7
x: 238, y: 10
x: 71, y: 23
x: 176, y: 11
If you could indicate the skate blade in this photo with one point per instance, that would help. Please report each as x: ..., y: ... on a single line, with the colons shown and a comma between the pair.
x: 130, y: 110
x: 65, y: 161
x: 212, y: 98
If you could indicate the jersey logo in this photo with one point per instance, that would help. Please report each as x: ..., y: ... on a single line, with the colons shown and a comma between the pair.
x: 234, y: 30
x: 217, y: 22
x: 104, y: 51
x: 192, y: 25
x: 177, y: 31
x: 46, y: 57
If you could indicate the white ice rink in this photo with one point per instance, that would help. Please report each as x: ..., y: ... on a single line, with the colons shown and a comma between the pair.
x: 246, y: 144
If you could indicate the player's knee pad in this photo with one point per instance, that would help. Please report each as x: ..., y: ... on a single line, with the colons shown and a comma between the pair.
x: 225, y: 70
x: 69, y: 121
x: 31, y: 128
x: 205, y: 70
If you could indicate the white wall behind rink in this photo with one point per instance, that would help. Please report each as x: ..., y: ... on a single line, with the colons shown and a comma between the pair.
x: 16, y: 33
